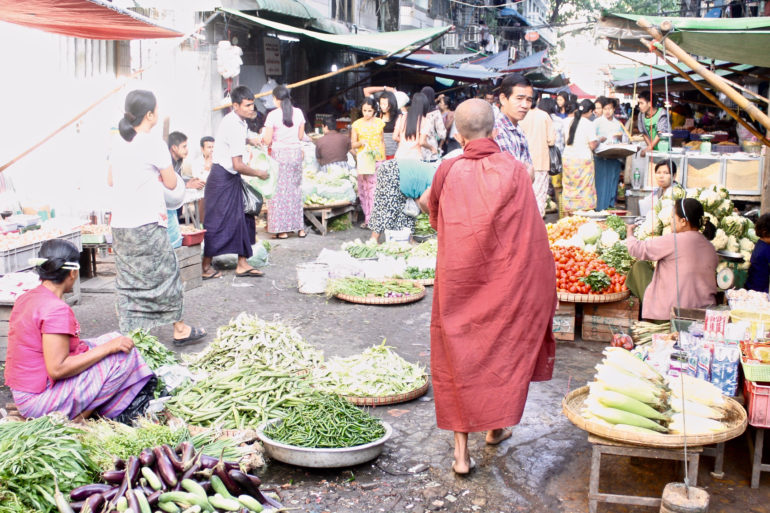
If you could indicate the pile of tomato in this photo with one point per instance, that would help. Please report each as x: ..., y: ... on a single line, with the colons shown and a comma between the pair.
x: 573, y: 263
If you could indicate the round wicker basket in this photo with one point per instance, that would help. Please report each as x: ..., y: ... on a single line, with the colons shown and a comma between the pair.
x: 366, y: 300
x: 390, y: 399
x: 569, y: 297
x: 572, y: 404
x: 427, y: 282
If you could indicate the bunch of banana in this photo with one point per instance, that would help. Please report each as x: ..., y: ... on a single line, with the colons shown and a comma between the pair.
x: 628, y: 394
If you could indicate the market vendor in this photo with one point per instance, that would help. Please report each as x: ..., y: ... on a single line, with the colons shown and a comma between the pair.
x: 759, y: 270
x: 50, y: 369
x: 332, y: 149
x: 398, y: 181
x: 666, y: 187
x: 652, y: 122
x: 685, y: 259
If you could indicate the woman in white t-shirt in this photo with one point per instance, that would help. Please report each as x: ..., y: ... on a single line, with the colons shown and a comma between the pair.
x: 411, y: 131
x: 284, y: 129
x: 579, y: 191
x: 148, y: 282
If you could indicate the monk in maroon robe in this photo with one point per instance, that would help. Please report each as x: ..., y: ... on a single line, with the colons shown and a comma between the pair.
x: 495, y: 291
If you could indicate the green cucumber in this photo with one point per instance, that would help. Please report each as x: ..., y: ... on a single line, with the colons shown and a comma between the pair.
x: 219, y: 487
x: 194, y: 488
x: 152, y: 478
x: 251, y: 503
x: 220, y: 502
x: 168, y: 507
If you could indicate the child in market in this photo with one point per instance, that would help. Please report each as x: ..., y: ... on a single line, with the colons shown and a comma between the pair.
x: 759, y: 270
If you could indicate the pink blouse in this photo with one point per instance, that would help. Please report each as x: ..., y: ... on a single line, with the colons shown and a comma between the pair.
x: 695, y: 260
x: 35, y: 313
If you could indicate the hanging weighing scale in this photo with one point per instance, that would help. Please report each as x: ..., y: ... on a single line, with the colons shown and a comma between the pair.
x: 731, y: 276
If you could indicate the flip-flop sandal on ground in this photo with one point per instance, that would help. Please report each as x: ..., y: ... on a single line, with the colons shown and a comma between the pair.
x: 251, y: 273
x: 302, y: 235
x: 195, y: 334
x: 211, y: 276
x: 470, y: 467
x: 281, y: 236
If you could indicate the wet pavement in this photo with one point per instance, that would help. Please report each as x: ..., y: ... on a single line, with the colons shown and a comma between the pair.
x: 543, y: 467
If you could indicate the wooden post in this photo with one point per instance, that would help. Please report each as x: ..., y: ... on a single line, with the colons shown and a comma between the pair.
x: 711, y: 78
x: 707, y: 94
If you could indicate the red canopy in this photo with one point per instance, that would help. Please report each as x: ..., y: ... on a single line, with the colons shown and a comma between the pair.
x: 90, y: 19
x: 574, y: 89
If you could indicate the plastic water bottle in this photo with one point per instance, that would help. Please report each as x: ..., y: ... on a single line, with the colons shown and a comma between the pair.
x: 637, y: 179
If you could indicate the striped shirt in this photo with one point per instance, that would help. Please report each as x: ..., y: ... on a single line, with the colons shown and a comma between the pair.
x: 511, y: 138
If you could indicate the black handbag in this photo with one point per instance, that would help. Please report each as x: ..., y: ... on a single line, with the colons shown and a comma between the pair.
x: 554, y: 156
x: 252, y: 199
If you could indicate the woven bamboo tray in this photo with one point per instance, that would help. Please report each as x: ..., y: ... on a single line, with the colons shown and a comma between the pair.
x: 390, y: 399
x: 572, y: 404
x: 569, y: 297
x: 330, y: 205
x: 361, y: 300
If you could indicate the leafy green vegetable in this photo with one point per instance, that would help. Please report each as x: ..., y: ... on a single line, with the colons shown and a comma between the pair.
x: 154, y: 353
x: 618, y: 258
x: 616, y: 223
x: 363, y: 287
x: 422, y: 225
x: 415, y: 273
x: 36, y: 454
x: 597, y: 280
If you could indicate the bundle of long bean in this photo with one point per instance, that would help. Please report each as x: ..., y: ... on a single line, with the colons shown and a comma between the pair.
x: 34, y: 456
x: 376, y: 372
x: 327, y: 422
x: 249, y: 340
x: 363, y: 287
x: 642, y: 331
x: 239, y: 399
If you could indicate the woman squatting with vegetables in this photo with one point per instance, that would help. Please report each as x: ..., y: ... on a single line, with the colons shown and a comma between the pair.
x: 48, y: 368
x: 685, y: 259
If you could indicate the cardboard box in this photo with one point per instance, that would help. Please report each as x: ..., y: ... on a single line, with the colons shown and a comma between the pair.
x: 564, y: 322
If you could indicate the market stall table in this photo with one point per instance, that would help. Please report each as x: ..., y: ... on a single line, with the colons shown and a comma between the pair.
x: 320, y: 215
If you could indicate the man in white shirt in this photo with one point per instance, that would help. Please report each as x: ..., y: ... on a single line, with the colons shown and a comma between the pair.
x: 228, y: 229
x: 201, y: 166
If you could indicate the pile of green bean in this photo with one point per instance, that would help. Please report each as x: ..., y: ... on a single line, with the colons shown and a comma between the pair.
x: 364, y: 287
x: 240, y: 399
x: 248, y: 340
x: 34, y: 457
x: 327, y: 422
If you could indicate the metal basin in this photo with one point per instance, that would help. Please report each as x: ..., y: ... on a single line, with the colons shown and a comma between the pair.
x: 322, y: 458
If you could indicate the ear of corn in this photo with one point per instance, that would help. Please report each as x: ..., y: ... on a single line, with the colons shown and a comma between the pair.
x: 696, y: 390
x: 695, y: 408
x: 636, y: 429
x: 695, y: 425
x: 615, y: 416
x: 623, y: 402
x: 625, y: 360
x: 621, y: 381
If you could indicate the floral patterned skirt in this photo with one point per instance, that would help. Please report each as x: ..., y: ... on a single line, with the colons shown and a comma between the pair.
x: 389, y: 201
x: 284, y: 210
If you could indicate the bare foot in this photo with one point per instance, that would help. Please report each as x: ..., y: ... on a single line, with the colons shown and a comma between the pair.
x: 495, y: 436
x: 463, y: 466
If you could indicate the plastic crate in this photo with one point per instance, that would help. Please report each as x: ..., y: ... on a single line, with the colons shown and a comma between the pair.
x: 755, y: 371
x: 92, y: 238
x: 193, y: 239
x: 758, y: 397
x: 12, y: 260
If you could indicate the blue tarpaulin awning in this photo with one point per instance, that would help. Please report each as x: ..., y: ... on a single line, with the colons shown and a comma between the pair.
x: 439, y: 60
x: 499, y: 61
x: 510, y: 12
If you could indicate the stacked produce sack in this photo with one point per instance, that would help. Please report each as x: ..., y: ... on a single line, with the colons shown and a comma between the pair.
x: 629, y: 395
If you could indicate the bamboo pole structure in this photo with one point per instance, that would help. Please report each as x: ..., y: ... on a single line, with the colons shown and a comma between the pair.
x: 711, y: 77
x: 707, y: 94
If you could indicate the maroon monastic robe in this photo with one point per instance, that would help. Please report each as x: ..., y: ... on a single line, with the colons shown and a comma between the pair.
x: 495, y: 290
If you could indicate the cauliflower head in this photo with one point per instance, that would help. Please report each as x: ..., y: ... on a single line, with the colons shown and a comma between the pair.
x: 609, y: 238
x: 720, y: 240
x: 590, y: 232
x: 746, y: 245
x: 732, y: 244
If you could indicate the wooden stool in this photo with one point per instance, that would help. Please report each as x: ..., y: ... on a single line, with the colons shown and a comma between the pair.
x: 320, y: 216
x: 604, y: 446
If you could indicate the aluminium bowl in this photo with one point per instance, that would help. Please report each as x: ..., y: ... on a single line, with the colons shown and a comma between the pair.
x: 322, y: 458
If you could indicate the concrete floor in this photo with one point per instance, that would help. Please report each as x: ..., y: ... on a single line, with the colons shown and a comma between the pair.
x: 543, y: 467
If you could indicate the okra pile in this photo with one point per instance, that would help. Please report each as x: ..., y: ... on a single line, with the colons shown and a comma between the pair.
x: 171, y: 480
x: 327, y: 422
x: 364, y: 287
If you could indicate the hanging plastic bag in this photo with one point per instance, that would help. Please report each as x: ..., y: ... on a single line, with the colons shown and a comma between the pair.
x: 365, y: 163
x: 252, y: 200
x: 259, y: 159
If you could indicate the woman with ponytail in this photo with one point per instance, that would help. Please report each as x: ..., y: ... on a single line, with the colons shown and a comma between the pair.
x: 284, y: 131
x: 579, y: 191
x: 50, y: 369
x: 685, y: 259
x: 148, y: 282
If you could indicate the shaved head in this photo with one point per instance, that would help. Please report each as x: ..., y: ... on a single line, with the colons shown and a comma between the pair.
x: 474, y: 119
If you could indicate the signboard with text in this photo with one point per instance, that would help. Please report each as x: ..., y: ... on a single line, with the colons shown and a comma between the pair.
x: 272, y: 47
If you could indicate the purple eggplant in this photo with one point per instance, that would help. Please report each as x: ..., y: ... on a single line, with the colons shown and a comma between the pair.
x: 231, y: 485
x: 188, y: 454
x: 93, y: 503
x: 207, y: 461
x: 173, y: 458
x: 111, y: 493
x: 248, y: 487
x: 77, y: 506
x: 132, y: 470
x: 165, y: 468
x: 153, y: 497
x: 81, y: 493
x: 133, y: 503
x: 147, y: 458
x: 120, y: 464
x: 114, y: 476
